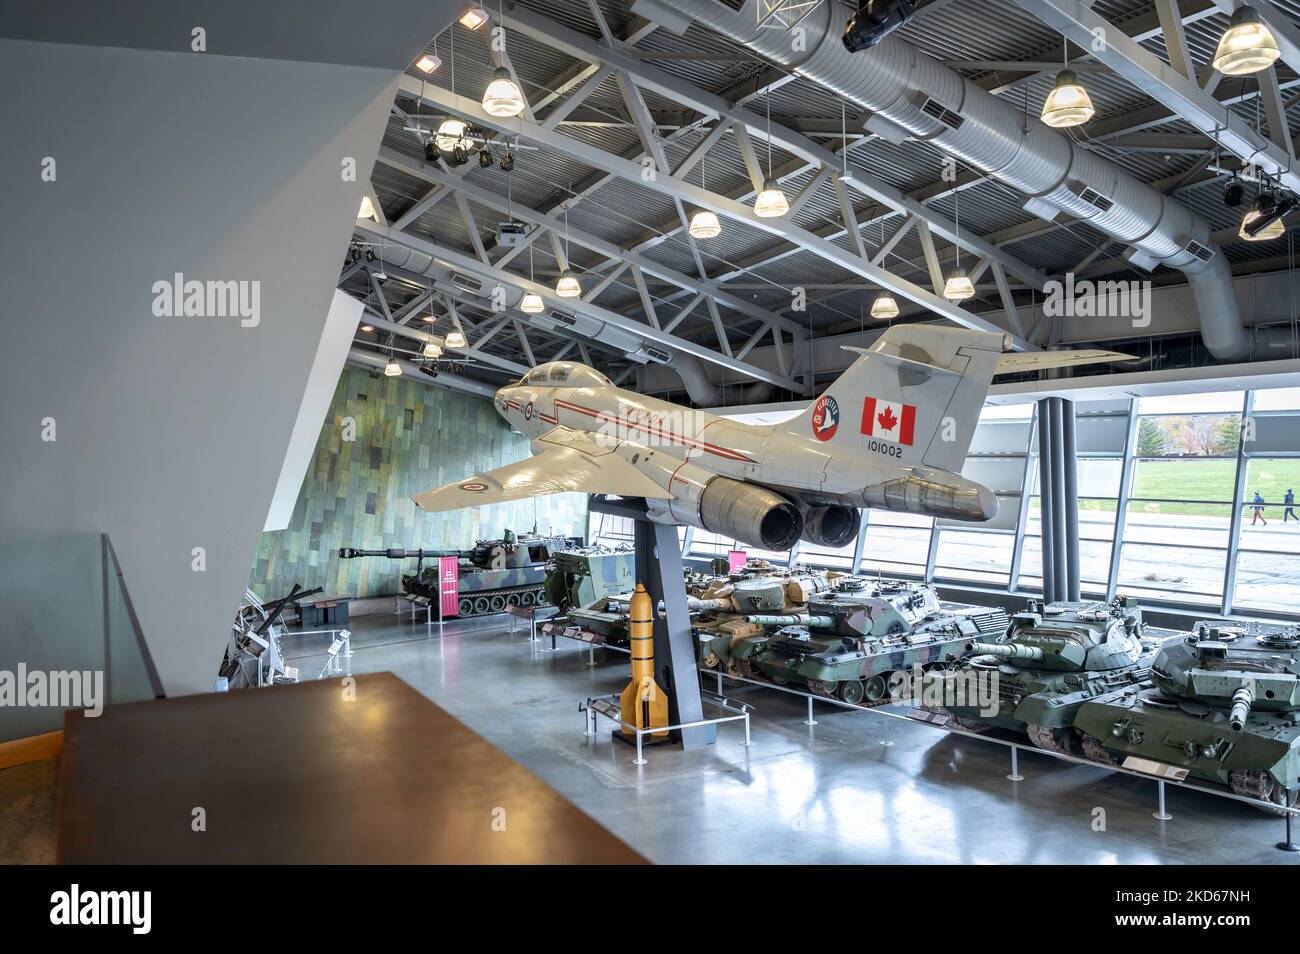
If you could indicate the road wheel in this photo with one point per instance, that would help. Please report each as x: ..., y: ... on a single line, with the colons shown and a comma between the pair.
x: 497, y: 603
x: 465, y: 607
x: 853, y: 691
x: 876, y: 688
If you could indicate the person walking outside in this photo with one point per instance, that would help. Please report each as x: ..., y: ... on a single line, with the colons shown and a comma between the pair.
x: 1289, y: 502
x: 1258, y: 507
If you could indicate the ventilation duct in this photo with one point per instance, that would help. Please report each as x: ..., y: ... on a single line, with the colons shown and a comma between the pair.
x: 908, y: 89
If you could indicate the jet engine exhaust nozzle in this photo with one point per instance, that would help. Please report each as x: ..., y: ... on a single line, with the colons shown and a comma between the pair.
x: 834, y: 526
x: 752, y: 514
x: 942, y: 495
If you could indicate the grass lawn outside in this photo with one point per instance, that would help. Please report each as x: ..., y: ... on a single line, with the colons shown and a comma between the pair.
x: 1204, y: 479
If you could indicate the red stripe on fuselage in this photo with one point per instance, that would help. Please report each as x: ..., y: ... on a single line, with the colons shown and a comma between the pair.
x: 655, y: 431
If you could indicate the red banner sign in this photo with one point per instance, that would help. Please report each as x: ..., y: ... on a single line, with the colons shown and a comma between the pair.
x: 449, y: 589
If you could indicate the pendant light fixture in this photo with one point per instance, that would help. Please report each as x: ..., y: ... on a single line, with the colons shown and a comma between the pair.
x: 568, y: 286
x: 958, y: 287
x: 502, y: 97
x: 884, y: 306
x: 473, y: 18
x: 770, y: 202
x: 1247, y: 46
x: 704, y: 224
x: 456, y: 337
x: 432, y: 349
x: 392, y: 369
x: 532, y: 303
x: 1068, y: 104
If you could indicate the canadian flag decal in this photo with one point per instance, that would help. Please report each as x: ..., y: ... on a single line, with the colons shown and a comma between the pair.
x: 889, y: 420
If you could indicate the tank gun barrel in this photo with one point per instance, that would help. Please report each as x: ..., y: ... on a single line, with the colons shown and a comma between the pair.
x: 351, y: 553
x: 790, y: 619
x: 1242, y: 700
x: 1008, y: 650
x: 724, y: 603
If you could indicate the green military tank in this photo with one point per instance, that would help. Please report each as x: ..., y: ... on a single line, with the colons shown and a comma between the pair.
x: 1223, y: 703
x: 1051, y: 660
x: 494, y: 575
x: 584, y: 584
x: 856, y: 641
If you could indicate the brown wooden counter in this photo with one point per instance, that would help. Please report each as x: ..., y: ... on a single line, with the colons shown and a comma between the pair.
x: 296, y: 774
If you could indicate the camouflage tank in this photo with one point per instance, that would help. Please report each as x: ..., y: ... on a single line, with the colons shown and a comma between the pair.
x: 583, y: 584
x: 1050, y: 661
x: 854, y: 638
x: 494, y: 575
x: 721, y: 607
x: 1223, y: 703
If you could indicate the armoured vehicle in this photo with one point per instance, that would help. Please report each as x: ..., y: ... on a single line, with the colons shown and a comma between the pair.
x: 854, y: 638
x: 1052, y: 659
x: 583, y: 583
x: 495, y: 574
x: 1223, y: 703
x: 720, y: 607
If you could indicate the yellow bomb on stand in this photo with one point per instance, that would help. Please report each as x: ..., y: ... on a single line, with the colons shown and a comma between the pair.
x: 643, y: 703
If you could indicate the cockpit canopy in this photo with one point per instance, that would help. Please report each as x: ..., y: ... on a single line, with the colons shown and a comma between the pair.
x: 564, y: 374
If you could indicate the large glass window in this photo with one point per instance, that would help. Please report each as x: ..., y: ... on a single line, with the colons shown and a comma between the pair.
x: 979, y: 556
x: 898, y: 544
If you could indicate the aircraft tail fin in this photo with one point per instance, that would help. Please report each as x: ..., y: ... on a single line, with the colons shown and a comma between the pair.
x: 915, y: 395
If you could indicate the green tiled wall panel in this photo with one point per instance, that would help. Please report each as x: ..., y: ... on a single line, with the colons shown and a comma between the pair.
x: 449, y: 436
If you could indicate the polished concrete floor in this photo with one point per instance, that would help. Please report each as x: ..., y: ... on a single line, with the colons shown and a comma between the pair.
x: 857, y: 787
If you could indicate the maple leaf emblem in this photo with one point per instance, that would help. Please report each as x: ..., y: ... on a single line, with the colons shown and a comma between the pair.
x: 886, y: 419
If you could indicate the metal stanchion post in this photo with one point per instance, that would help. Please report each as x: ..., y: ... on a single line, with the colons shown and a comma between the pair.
x: 640, y: 760
x: 810, y: 720
x: 747, y: 742
x: 1015, y: 775
x: 1162, y: 814
x: 1288, y: 844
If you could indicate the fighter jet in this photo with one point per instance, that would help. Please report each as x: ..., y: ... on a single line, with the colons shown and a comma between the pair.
x: 892, y: 432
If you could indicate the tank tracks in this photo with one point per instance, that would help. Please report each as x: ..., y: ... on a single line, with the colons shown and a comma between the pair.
x: 492, y: 601
x: 1096, y: 752
x: 1263, y: 787
x: 1045, y: 739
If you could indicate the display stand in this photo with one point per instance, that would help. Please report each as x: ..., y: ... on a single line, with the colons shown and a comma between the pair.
x: 607, y: 707
x: 659, y: 569
x: 417, y: 603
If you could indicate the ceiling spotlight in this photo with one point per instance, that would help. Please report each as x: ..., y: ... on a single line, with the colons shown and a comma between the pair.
x: 1068, y: 104
x: 473, y: 18
x: 450, y: 133
x: 392, y: 369
x: 1247, y: 46
x: 771, y: 202
x: 367, y: 328
x: 874, y: 21
x: 704, y: 225
x: 485, y: 158
x: 884, y: 306
x: 568, y: 286
x: 429, y: 318
x: 1264, y: 219
x: 532, y: 304
x: 429, y: 368
x: 958, y: 287
x: 507, y: 161
x: 502, y: 96
x: 428, y: 63
x: 1233, y: 193
x: 370, y: 255
x: 432, y: 349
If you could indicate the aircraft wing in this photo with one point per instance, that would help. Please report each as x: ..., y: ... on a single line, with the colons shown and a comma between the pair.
x: 563, y: 461
x: 1018, y: 361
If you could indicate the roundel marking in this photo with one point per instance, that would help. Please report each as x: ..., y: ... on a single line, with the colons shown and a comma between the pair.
x: 528, y: 411
x: 474, y: 488
x: 825, y: 418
